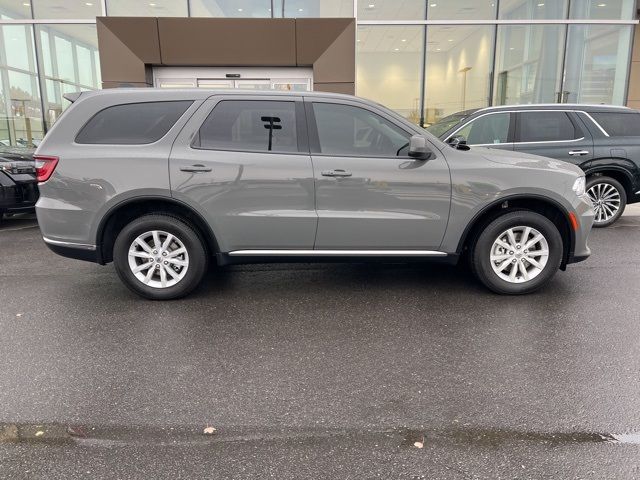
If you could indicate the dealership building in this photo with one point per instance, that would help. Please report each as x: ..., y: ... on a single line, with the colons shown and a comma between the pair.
x: 424, y: 59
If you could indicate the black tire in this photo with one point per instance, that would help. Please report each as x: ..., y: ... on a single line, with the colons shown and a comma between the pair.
x: 194, y: 245
x: 607, y: 182
x: 481, y: 252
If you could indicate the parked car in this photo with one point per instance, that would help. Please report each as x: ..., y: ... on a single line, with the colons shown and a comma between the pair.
x: 604, y: 141
x: 173, y: 179
x: 18, y: 185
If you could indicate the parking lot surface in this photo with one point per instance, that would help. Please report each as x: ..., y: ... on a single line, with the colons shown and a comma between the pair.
x: 320, y: 371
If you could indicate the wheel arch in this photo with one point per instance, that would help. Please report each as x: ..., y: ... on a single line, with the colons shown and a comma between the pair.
x: 621, y: 174
x: 545, y: 206
x: 124, y: 212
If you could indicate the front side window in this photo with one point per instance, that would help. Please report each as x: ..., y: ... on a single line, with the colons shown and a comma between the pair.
x: 625, y: 124
x: 132, y: 123
x: 253, y: 125
x: 545, y: 127
x: 488, y: 129
x: 355, y: 131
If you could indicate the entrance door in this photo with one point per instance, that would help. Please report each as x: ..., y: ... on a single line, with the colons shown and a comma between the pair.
x: 298, y: 79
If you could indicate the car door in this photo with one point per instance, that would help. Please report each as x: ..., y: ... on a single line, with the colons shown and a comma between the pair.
x: 369, y: 193
x: 553, y: 133
x: 243, y: 161
x: 492, y: 129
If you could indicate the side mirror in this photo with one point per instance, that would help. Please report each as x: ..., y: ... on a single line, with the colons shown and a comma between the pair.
x: 459, y: 142
x: 418, y: 148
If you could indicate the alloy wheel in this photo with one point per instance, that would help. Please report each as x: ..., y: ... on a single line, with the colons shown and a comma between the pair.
x: 606, y: 201
x: 158, y: 259
x: 519, y: 254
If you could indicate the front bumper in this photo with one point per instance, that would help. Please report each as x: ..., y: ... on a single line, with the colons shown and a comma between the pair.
x: 583, y: 210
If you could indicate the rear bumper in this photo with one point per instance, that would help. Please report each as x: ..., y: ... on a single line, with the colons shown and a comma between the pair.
x: 77, y: 251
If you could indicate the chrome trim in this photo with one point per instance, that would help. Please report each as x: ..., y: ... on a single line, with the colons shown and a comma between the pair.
x: 523, y: 110
x: 597, y: 124
x: 555, y: 105
x: 499, y: 22
x: 339, y: 253
x: 79, y: 246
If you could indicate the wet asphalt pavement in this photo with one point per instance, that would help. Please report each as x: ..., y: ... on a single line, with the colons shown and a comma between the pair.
x: 319, y: 371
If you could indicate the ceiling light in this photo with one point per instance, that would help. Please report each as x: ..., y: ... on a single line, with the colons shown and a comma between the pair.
x: 371, y: 5
x: 438, y: 49
x: 433, y: 5
x: 396, y: 49
x: 511, y: 48
x: 152, y: 4
x: 239, y: 9
x: 88, y: 4
x: 602, y: 4
x: 450, y: 40
x: 541, y: 4
x: 299, y: 9
x: 403, y: 40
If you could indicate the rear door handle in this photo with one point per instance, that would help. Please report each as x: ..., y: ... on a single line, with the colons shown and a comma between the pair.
x: 195, y: 168
x: 336, y: 173
x: 579, y: 152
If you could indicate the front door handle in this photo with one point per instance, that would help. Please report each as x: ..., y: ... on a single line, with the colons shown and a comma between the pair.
x: 579, y: 152
x: 336, y: 173
x: 195, y: 168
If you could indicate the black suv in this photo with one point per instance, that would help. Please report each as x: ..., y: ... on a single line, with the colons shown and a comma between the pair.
x: 602, y: 140
x: 18, y: 184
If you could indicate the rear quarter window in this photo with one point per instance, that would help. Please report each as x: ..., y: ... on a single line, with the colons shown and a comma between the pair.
x: 132, y: 123
x: 622, y: 124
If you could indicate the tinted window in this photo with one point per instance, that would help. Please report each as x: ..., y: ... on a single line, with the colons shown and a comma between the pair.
x: 489, y: 129
x: 255, y: 125
x: 132, y: 123
x: 619, y: 124
x: 347, y: 130
x: 545, y: 127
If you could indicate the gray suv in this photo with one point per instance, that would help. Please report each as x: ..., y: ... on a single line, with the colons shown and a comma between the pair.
x: 603, y: 140
x: 161, y: 182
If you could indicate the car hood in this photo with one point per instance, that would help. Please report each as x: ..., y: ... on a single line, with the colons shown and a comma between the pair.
x: 526, y: 160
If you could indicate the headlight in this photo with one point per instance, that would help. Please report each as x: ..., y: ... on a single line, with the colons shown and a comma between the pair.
x: 579, y: 186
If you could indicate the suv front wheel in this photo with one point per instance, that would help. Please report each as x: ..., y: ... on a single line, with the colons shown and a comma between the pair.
x: 160, y: 257
x: 517, y: 253
x: 609, y: 200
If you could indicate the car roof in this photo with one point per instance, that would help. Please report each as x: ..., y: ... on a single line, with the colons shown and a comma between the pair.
x: 203, y: 93
x: 558, y: 106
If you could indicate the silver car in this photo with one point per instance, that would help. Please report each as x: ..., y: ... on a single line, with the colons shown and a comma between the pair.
x: 162, y: 182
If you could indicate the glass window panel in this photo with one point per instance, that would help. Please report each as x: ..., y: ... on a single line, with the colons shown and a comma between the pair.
x: 68, y: 9
x: 250, y: 125
x: 132, y: 123
x: 347, y: 130
x: 597, y: 63
x: 461, y: 10
x: 314, y: 8
x: 20, y: 112
x: 391, y: 9
x: 619, y: 124
x: 458, y: 69
x: 15, y: 9
x: 69, y: 59
x: 603, y: 9
x: 533, y: 9
x: 545, y: 127
x: 152, y: 8
x: 17, y: 47
x: 528, y: 64
x: 388, y: 67
x: 231, y: 8
x: 488, y: 129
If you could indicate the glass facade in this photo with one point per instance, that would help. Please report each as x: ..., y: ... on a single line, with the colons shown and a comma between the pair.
x: 424, y: 58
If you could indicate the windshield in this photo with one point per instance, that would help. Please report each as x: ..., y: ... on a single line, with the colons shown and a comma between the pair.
x: 445, y: 124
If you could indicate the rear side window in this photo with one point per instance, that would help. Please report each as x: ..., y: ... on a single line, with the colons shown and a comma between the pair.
x: 619, y: 124
x: 132, y: 123
x: 545, y: 127
x: 251, y: 125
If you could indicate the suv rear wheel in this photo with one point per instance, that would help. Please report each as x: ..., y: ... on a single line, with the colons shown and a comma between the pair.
x: 609, y: 200
x: 517, y: 253
x: 160, y: 257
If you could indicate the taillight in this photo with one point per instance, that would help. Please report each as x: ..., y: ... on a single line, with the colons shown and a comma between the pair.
x: 45, y: 165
